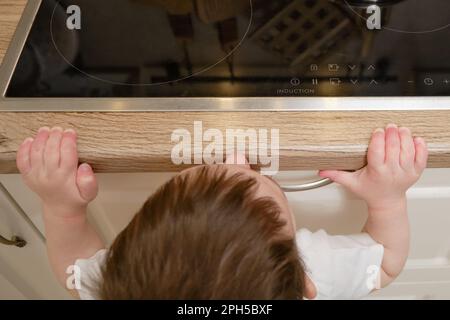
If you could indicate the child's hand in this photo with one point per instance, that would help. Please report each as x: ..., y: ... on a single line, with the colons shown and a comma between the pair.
x: 395, y: 162
x: 49, y: 167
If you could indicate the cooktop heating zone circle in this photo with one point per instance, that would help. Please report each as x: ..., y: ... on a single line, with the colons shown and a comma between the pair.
x: 432, y: 16
x: 58, y: 32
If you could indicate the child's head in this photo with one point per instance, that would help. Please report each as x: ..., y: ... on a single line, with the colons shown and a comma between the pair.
x: 212, y: 232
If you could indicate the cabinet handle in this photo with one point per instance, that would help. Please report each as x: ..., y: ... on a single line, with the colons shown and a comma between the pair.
x: 15, y: 241
x: 307, y: 186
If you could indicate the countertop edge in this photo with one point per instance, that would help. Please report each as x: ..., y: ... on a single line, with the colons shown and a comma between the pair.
x: 136, y: 142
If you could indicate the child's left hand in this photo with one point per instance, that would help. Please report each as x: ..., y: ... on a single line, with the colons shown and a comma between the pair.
x: 395, y: 162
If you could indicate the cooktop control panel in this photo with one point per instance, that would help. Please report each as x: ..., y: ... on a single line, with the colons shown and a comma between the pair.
x: 236, y: 48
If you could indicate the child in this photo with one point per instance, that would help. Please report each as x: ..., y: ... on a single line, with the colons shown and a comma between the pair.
x: 224, y: 231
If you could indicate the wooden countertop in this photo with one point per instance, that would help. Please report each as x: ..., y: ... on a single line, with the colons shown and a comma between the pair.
x: 133, y: 142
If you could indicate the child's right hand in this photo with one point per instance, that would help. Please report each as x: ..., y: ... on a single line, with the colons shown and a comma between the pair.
x: 49, y: 167
x: 395, y: 162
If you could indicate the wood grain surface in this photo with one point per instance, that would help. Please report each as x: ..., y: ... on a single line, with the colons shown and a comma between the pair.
x: 134, y: 142
x: 10, y: 12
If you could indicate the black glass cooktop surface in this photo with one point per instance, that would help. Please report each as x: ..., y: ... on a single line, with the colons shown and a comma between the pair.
x: 235, y: 48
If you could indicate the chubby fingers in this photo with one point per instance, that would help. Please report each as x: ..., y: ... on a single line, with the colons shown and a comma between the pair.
x: 393, y: 146
x: 421, y: 154
x: 69, y: 153
x: 38, y: 148
x: 49, y: 150
x: 87, y: 182
x: 407, y: 149
x: 344, y: 178
x: 23, y: 158
x: 396, y: 147
x: 52, y: 149
x: 376, y: 153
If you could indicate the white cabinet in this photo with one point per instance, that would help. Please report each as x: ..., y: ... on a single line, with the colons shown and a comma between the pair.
x: 427, y: 274
x: 120, y: 196
x: 24, y: 272
x: 340, y: 212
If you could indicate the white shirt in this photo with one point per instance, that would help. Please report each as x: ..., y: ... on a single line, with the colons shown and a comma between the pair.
x: 341, y: 267
x: 90, y: 274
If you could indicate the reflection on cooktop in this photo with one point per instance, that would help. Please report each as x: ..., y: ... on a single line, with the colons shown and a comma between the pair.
x: 235, y: 48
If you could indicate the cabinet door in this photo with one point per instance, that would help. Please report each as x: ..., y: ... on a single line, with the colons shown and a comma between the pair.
x: 427, y: 273
x: 8, y: 291
x: 119, y: 198
x: 24, y: 272
x: 330, y: 208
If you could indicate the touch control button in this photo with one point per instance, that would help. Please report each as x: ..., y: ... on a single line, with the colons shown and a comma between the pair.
x: 428, y: 81
x: 295, y: 81
x: 335, y: 81
x: 333, y: 67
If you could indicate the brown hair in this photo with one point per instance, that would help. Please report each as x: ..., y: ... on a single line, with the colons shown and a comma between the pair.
x: 204, y: 235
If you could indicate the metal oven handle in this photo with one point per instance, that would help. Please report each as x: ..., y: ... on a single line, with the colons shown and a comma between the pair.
x: 307, y: 186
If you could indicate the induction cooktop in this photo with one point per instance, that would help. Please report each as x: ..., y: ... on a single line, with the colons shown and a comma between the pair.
x: 230, y: 54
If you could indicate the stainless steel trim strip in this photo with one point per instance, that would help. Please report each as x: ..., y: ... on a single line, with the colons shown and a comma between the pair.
x: 17, y: 43
x: 223, y: 104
